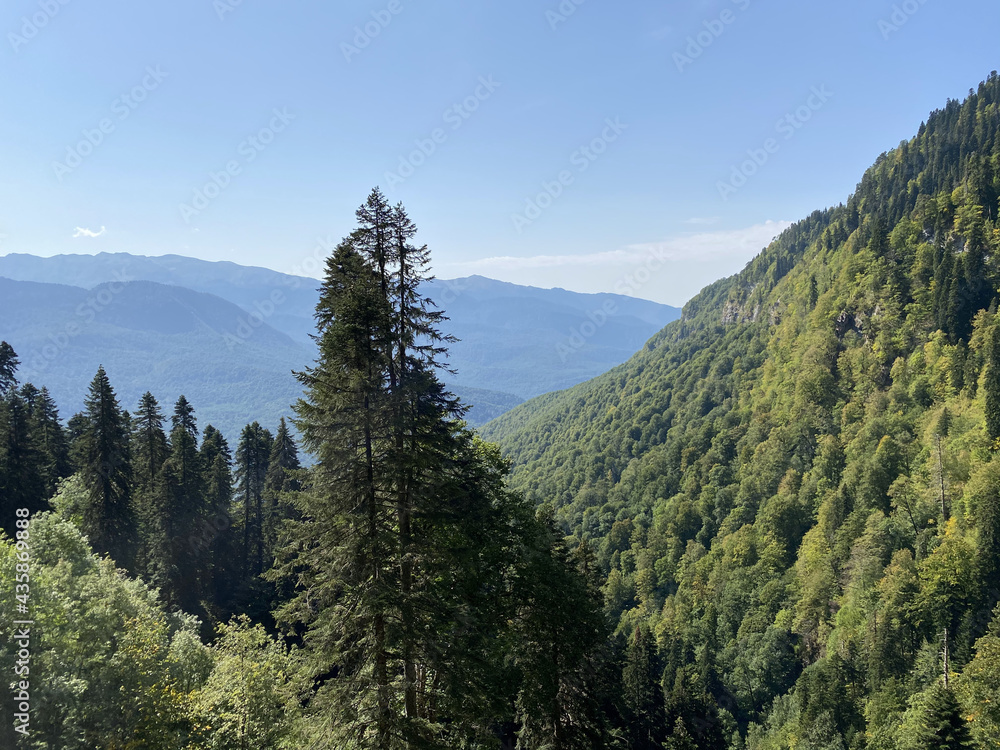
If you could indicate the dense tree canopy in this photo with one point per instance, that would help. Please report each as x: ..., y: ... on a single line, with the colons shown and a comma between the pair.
x: 795, y: 486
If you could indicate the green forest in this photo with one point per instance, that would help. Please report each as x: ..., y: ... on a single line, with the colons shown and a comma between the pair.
x: 776, y: 527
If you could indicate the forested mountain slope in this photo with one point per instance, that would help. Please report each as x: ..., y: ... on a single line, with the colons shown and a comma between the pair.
x: 152, y: 336
x: 796, y: 485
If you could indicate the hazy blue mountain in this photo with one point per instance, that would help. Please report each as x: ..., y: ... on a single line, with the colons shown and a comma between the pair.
x: 176, y: 314
x: 154, y: 337
x: 528, y: 341
x: 251, y: 288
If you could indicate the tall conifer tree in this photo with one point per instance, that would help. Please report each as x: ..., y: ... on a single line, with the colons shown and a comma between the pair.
x: 281, y: 478
x: 108, y: 517
x: 252, y: 454
x: 643, y: 693
x: 8, y: 368
x: 991, y: 383
x: 389, y: 553
x: 149, y: 452
x: 49, y: 442
x: 215, y: 535
x: 182, y: 506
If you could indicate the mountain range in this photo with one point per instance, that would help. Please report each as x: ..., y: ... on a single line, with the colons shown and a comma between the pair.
x: 229, y: 336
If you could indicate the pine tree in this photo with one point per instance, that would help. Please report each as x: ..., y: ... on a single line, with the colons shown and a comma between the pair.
x: 149, y: 452
x: 396, y: 506
x: 252, y: 454
x: 8, y: 368
x: 48, y: 441
x: 105, y: 466
x: 215, y: 536
x: 182, y: 509
x: 642, y: 693
x: 991, y: 384
x: 942, y: 725
x: 281, y: 478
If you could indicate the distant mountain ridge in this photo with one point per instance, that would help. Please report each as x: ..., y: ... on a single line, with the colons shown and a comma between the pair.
x: 149, y: 336
x: 175, y: 324
x: 250, y: 288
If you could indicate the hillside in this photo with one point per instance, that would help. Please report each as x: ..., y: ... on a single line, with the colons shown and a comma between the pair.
x: 795, y: 485
x: 151, y: 337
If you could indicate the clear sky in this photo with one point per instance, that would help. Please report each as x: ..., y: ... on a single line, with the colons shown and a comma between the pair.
x: 553, y: 144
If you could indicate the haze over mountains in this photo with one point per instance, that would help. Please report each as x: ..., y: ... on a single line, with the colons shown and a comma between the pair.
x: 228, y: 336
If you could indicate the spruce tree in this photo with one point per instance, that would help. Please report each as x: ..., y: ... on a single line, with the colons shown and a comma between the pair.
x: 347, y: 523
x: 21, y: 485
x: 149, y: 443
x: 149, y: 452
x: 252, y: 455
x: 22, y: 475
x: 8, y: 368
x: 281, y: 478
x: 48, y: 442
x: 388, y: 552
x: 214, y: 537
x: 991, y: 383
x: 680, y: 738
x: 561, y: 631
x: 642, y: 692
x: 183, y: 507
x: 103, y: 450
x: 183, y: 416
x: 942, y: 725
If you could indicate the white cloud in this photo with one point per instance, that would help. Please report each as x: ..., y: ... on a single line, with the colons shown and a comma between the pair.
x: 702, y: 220
x: 684, y: 265
x: 707, y: 246
x: 81, y: 232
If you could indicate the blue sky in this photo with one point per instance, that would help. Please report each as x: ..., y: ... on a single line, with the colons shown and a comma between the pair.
x: 587, y: 149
